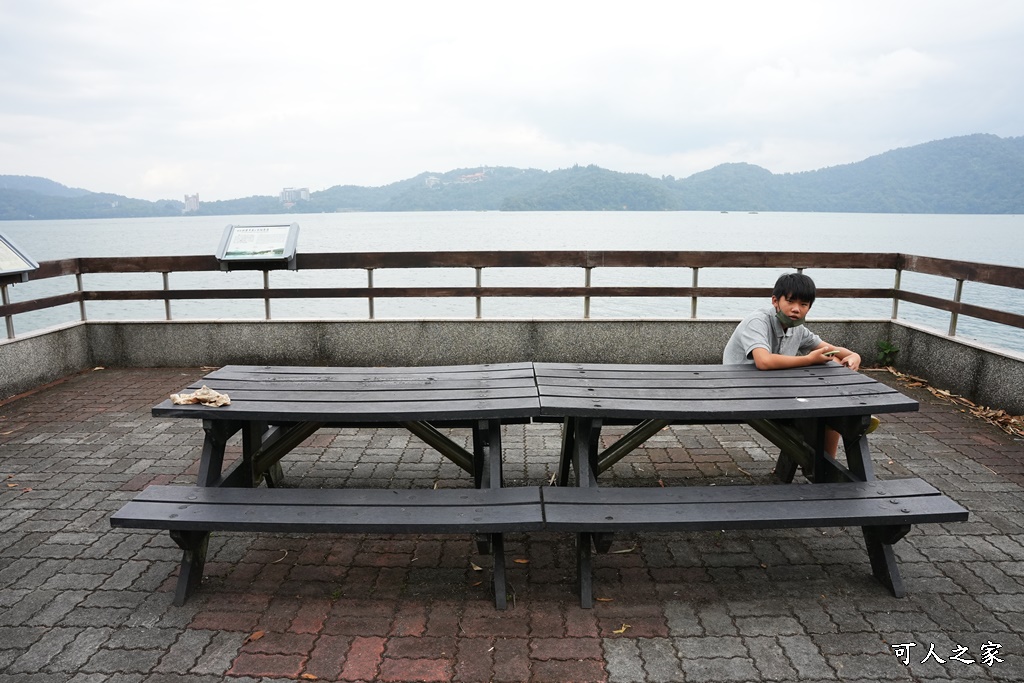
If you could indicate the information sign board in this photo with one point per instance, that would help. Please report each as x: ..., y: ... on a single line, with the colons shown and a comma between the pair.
x: 14, y: 263
x: 260, y: 247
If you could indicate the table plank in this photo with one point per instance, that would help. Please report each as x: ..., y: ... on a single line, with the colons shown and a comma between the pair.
x: 736, y: 409
x: 711, y: 392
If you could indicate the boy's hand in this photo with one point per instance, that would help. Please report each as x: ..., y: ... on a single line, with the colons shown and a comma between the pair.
x: 818, y: 356
x: 852, y: 361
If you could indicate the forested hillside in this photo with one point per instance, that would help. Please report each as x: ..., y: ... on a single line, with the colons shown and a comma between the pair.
x: 971, y: 174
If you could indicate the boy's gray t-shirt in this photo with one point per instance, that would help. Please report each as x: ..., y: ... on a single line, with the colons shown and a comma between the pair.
x: 761, y: 329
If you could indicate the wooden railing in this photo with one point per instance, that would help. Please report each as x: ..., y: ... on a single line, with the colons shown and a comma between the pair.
x: 957, y: 271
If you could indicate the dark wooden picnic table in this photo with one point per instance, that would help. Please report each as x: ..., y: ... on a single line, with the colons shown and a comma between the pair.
x: 793, y: 408
x: 277, y: 407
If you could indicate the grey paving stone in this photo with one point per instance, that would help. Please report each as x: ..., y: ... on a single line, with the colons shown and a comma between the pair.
x: 710, y: 647
x: 806, y: 658
x: 720, y: 670
x: 682, y: 619
x: 122, y: 661
x: 87, y: 642
x: 43, y: 651
x: 185, y: 652
x: 218, y: 655
x: 660, y: 660
x: 770, y: 659
x: 622, y: 660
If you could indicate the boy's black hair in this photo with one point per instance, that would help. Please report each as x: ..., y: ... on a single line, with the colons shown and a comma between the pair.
x: 795, y: 287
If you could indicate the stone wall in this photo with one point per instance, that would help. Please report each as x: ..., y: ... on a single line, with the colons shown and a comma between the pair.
x: 984, y: 375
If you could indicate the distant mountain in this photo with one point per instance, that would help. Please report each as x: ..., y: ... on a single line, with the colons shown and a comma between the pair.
x: 972, y: 174
x: 39, y: 185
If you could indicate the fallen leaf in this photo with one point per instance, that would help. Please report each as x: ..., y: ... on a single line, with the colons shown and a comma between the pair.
x: 521, y: 561
x: 309, y: 677
x: 476, y: 584
x: 605, y: 599
x: 11, y: 486
x: 254, y: 636
x: 623, y: 629
x: 475, y: 568
x: 27, y: 489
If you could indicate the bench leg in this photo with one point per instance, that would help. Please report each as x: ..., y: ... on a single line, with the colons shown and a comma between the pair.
x: 568, y: 447
x: 879, y: 542
x: 498, y: 572
x: 584, y: 569
x: 193, y: 559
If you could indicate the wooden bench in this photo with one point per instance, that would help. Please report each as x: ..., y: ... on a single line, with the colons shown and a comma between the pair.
x: 190, y: 513
x: 884, y: 509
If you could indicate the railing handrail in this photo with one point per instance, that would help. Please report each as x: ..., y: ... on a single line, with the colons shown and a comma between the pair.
x: 960, y: 271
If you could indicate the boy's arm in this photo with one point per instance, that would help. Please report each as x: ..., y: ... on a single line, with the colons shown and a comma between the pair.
x: 766, y: 360
x: 850, y: 359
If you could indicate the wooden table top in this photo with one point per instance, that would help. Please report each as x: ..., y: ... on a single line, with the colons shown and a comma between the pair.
x: 708, y: 392
x: 354, y: 394
x: 524, y: 390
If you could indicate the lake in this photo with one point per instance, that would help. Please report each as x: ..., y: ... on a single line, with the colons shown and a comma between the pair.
x: 982, y: 238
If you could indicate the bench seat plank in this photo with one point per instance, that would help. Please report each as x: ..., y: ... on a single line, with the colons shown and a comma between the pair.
x: 668, y: 509
x: 333, y: 510
x: 190, y: 513
x: 884, y: 509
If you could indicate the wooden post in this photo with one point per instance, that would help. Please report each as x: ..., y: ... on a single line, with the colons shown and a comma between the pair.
x: 369, y: 283
x: 479, y: 284
x: 693, y: 299
x: 896, y: 294
x: 167, y: 302
x: 586, y: 299
x: 81, y: 301
x: 958, y: 292
x: 9, y: 318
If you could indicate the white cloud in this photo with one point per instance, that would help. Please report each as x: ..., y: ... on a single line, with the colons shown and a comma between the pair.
x: 235, y: 98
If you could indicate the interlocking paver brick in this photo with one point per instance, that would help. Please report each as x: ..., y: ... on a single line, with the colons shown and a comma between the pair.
x: 82, y: 602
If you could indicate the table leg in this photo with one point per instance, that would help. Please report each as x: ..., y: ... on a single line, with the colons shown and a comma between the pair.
x: 498, y: 572
x: 568, y: 447
x: 211, y: 461
x: 586, y: 440
x: 193, y: 559
x: 879, y: 541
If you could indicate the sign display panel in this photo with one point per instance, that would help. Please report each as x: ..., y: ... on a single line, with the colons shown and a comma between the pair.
x: 258, y: 246
x: 14, y: 262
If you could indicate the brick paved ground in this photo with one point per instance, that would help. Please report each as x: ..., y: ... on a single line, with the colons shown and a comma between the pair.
x: 82, y: 602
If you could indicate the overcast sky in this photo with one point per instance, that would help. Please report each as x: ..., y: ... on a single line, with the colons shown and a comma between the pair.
x: 230, y: 98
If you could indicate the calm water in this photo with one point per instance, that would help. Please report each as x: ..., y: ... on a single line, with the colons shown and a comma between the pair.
x: 986, y: 239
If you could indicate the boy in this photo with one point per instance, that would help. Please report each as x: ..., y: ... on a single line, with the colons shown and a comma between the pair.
x: 774, y: 338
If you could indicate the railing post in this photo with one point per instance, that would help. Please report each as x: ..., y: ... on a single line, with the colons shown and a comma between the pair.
x: 266, y: 299
x: 953, y: 314
x: 369, y: 284
x: 896, y: 294
x: 693, y: 299
x: 81, y: 299
x: 5, y: 298
x: 167, y: 302
x: 586, y: 299
x: 479, y: 284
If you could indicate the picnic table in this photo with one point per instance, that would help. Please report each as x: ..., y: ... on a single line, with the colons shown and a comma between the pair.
x: 277, y: 407
x: 792, y: 407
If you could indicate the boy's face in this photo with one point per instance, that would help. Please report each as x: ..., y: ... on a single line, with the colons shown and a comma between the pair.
x: 794, y: 309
